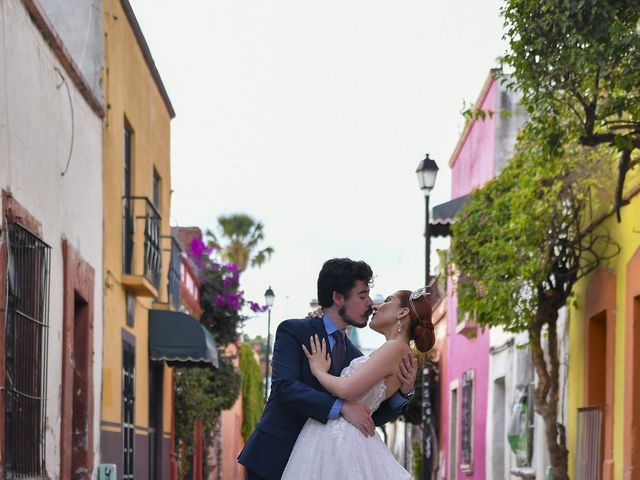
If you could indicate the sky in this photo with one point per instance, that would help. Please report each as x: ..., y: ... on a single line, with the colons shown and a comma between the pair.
x: 312, y: 118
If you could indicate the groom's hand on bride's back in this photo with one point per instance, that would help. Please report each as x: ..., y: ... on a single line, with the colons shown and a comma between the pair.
x: 359, y: 416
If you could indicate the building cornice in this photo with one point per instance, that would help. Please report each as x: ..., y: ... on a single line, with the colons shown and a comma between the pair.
x: 48, y: 32
x: 467, y: 129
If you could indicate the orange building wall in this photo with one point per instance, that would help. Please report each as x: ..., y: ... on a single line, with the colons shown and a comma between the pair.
x: 232, y: 442
x: 231, y: 436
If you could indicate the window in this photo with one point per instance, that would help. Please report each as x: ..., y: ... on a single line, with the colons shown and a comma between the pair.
x: 499, y: 428
x: 156, y: 190
x: 155, y: 419
x: 453, y: 431
x: 28, y: 271
x: 128, y: 408
x: 128, y: 217
x: 131, y: 309
x: 173, y: 286
x: 128, y: 135
x: 466, y: 417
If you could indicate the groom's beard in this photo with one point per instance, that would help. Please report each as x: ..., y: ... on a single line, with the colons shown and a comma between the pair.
x: 342, y: 311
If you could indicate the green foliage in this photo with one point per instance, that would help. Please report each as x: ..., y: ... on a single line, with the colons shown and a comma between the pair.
x: 576, y: 55
x: 524, y: 234
x: 242, y: 235
x: 190, y: 406
x: 252, y: 390
x: 530, y: 233
x: 417, y: 460
x: 520, y: 245
x: 225, y: 384
x: 577, y: 64
x: 201, y: 393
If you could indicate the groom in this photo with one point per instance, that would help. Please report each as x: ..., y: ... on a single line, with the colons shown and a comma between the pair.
x: 296, y: 395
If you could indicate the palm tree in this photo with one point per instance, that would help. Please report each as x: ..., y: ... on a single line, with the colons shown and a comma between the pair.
x: 241, y: 234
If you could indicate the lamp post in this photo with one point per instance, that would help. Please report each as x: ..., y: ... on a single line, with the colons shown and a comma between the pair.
x: 427, y: 171
x: 269, y: 297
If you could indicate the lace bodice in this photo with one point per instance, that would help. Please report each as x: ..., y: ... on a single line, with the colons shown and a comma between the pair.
x: 372, y: 398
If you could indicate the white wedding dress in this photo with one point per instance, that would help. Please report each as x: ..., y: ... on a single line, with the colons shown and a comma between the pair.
x: 337, y: 450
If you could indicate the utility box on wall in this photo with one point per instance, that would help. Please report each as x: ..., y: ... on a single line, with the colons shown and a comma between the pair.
x: 107, y: 471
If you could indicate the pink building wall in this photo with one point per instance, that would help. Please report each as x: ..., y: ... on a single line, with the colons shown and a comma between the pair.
x: 473, y: 164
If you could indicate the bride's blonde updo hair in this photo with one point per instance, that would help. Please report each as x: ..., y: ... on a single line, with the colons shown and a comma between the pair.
x: 420, y: 327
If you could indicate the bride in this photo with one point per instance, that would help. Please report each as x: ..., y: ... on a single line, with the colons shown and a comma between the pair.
x: 337, y: 449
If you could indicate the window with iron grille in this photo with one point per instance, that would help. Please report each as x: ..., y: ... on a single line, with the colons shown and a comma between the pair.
x: 128, y: 407
x: 466, y: 417
x: 27, y: 323
x: 173, y: 285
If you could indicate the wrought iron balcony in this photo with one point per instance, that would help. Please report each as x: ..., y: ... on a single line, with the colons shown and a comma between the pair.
x: 174, y: 283
x: 142, y: 256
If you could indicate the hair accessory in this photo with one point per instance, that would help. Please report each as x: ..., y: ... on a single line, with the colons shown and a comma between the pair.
x: 421, y: 292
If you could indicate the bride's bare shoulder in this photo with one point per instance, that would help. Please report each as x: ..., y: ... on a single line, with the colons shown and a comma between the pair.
x: 393, y: 347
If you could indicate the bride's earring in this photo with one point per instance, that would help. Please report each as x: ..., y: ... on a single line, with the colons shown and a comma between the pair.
x: 399, y: 326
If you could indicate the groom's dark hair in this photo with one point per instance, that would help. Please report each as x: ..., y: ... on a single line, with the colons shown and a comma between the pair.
x: 340, y: 275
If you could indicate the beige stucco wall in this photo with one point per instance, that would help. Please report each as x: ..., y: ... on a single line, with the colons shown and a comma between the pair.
x: 133, y: 98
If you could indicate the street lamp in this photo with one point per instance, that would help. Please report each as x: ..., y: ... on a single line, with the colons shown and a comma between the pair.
x: 269, y: 297
x: 427, y: 171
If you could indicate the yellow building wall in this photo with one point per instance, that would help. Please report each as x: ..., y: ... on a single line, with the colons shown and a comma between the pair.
x: 627, y: 235
x: 132, y: 96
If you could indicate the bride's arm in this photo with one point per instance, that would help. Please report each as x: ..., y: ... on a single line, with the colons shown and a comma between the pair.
x: 382, y: 364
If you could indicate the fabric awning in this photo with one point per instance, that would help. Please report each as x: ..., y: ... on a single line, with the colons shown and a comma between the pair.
x: 180, y: 340
x: 443, y: 216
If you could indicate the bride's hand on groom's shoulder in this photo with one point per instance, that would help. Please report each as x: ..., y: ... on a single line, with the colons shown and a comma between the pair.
x: 317, y: 313
x: 407, y: 371
x: 319, y: 359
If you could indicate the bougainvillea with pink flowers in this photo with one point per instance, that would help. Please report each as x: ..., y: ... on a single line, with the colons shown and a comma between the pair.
x: 220, y: 296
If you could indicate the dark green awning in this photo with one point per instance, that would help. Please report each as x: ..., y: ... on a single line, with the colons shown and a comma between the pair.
x: 180, y: 340
x: 444, y: 215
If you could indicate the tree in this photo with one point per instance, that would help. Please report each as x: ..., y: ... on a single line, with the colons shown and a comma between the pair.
x: 201, y: 393
x: 577, y: 64
x: 519, y: 247
x: 252, y: 398
x: 243, y: 236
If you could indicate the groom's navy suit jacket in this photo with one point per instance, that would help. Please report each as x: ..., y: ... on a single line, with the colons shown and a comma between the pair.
x: 295, y: 396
